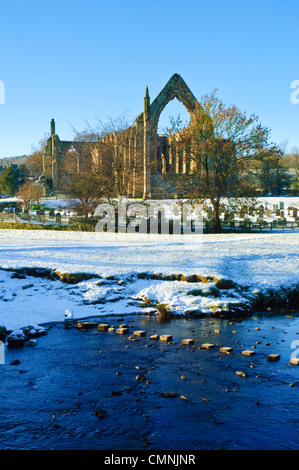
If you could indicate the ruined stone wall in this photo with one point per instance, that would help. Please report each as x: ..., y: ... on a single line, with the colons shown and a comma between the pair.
x: 152, y: 161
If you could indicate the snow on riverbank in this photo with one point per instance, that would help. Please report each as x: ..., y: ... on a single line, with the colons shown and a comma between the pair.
x: 256, y: 259
x: 259, y: 261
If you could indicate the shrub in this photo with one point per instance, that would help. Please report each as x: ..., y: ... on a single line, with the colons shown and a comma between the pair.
x: 195, y: 292
x: 225, y: 284
x: 164, y: 313
x: 146, y: 302
x: 27, y: 226
x: 142, y: 276
x: 214, y: 292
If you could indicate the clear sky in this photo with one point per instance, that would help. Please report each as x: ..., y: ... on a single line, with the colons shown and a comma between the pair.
x: 76, y: 61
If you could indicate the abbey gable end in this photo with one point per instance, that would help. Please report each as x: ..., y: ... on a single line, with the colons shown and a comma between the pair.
x: 149, y: 160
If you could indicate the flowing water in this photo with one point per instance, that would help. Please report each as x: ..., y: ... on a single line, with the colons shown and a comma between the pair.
x: 100, y: 390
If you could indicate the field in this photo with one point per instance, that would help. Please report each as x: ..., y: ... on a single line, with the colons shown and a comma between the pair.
x: 127, y: 271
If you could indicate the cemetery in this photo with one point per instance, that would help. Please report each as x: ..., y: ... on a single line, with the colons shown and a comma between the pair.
x: 264, y: 215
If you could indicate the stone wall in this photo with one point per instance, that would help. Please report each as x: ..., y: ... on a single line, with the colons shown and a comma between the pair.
x: 152, y: 160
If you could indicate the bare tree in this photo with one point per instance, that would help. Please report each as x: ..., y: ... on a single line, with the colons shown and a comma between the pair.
x: 220, y: 145
x: 30, y: 193
x: 34, y: 162
x: 83, y: 187
x: 112, y: 159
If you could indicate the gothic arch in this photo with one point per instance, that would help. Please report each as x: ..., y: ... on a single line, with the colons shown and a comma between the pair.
x: 175, y: 88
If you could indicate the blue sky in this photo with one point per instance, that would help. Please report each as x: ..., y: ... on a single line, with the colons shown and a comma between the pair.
x: 76, y: 61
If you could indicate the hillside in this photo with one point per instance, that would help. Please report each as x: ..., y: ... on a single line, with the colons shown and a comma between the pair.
x: 5, y: 162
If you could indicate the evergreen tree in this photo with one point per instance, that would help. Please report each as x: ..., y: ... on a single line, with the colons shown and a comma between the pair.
x: 10, y: 180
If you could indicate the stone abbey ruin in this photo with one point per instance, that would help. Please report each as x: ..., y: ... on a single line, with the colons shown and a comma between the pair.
x: 151, y: 159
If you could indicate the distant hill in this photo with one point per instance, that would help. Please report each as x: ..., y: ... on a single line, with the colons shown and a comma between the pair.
x: 5, y: 162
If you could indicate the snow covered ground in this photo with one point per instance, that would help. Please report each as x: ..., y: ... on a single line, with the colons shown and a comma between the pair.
x: 259, y: 261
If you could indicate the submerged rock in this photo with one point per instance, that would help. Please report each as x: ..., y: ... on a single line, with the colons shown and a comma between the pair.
x: 241, y: 374
x: 100, y: 413
x: 168, y: 394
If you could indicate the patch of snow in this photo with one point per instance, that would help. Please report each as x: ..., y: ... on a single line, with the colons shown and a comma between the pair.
x: 257, y: 261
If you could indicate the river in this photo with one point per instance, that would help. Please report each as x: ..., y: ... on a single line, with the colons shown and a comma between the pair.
x: 88, y: 390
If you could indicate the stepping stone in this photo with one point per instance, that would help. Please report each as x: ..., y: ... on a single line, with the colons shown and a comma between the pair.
x: 166, y: 338
x: 217, y: 332
x: 208, y: 346
x: 294, y: 361
x: 188, y: 341
x: 103, y: 326
x: 226, y: 350
x: 248, y: 353
x: 111, y: 329
x: 86, y: 325
x: 273, y: 357
x: 122, y: 331
x: 153, y: 337
x: 139, y: 333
